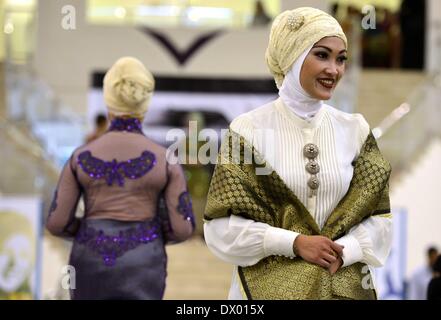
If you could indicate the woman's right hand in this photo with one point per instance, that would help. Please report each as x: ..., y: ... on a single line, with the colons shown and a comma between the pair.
x: 317, y: 249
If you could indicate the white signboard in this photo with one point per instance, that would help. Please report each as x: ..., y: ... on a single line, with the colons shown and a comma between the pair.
x: 20, y: 247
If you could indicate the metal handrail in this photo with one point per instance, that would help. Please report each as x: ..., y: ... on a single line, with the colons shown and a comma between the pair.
x: 406, y: 132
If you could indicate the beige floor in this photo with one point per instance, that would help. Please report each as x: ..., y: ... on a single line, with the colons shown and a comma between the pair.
x: 195, y: 273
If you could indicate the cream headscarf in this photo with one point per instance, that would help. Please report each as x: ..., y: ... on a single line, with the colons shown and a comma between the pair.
x: 128, y: 87
x: 292, y: 32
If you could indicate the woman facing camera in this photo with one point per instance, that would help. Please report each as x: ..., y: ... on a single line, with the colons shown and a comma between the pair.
x: 124, y: 179
x: 319, y: 220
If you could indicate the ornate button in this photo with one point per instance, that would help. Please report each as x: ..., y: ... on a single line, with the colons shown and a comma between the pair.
x: 310, y: 151
x: 312, y: 167
x: 313, y: 183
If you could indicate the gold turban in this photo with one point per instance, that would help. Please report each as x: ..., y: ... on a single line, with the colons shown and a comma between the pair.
x: 292, y: 32
x: 128, y: 87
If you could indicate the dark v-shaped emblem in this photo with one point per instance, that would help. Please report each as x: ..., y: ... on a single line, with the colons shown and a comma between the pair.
x: 182, y: 56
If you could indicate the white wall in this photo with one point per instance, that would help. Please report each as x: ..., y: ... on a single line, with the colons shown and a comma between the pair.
x: 419, y: 193
x: 433, y: 35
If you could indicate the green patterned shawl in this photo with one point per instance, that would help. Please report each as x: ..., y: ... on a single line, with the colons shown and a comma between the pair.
x: 237, y: 189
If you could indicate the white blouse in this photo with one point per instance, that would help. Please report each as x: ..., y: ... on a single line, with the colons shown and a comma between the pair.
x: 339, y: 137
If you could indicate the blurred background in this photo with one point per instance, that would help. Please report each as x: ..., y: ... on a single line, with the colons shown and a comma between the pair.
x: 208, y: 61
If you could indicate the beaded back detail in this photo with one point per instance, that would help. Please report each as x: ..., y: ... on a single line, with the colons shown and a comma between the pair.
x: 114, y: 170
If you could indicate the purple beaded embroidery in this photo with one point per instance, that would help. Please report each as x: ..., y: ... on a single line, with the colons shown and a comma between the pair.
x: 114, y: 170
x: 110, y: 247
x: 185, y: 207
x: 130, y: 124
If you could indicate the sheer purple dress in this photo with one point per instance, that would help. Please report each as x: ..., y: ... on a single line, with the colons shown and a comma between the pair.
x: 135, y: 202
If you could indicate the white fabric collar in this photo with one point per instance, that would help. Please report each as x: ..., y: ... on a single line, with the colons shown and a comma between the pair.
x: 294, y: 96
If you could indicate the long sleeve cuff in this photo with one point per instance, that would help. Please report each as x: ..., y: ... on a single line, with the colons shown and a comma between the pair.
x: 279, y: 242
x: 352, y: 251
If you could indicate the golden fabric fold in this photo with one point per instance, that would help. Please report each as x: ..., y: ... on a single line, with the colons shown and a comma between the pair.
x: 236, y: 188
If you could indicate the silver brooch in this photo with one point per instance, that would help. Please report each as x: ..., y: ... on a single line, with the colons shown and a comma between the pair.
x: 311, y: 152
x: 294, y: 22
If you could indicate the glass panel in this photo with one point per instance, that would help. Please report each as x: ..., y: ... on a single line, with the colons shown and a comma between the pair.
x: 18, y: 27
x: 189, y: 13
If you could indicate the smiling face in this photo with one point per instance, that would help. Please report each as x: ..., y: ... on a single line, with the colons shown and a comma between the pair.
x: 323, y: 67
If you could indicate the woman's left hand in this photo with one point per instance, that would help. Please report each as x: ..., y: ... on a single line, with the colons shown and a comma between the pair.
x: 335, y: 266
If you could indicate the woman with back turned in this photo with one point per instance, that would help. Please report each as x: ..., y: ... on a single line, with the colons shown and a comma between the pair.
x: 118, y: 250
